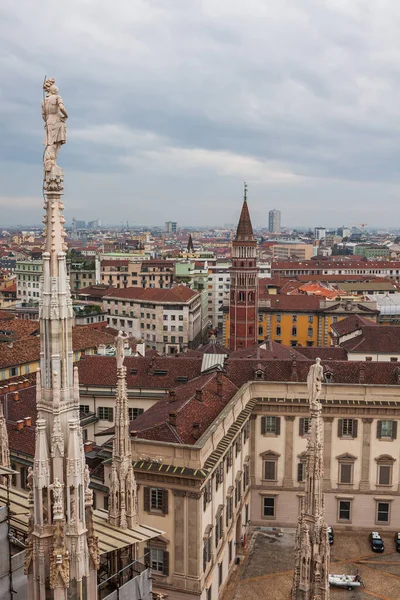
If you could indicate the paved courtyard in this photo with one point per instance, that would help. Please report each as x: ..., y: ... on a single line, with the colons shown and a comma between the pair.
x: 266, y: 572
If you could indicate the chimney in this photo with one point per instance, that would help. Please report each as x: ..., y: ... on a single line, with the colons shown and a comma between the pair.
x: 172, y: 419
x: 199, y: 395
x: 28, y: 421
x: 196, y: 431
x: 88, y: 446
x: 171, y: 395
x: 101, y: 349
x: 362, y: 373
x: 20, y: 425
x: 219, y: 383
x: 15, y: 396
x: 294, y: 370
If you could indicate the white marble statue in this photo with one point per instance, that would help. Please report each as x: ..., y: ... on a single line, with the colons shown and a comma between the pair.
x: 314, y: 381
x: 54, y: 115
x: 120, y: 348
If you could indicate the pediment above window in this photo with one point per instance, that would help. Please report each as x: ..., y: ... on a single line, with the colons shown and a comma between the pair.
x: 346, y: 456
x: 269, y: 454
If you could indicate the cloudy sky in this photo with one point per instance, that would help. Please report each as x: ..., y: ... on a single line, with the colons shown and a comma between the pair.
x: 174, y: 103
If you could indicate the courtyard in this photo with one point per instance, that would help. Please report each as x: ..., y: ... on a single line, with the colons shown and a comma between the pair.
x: 266, y: 570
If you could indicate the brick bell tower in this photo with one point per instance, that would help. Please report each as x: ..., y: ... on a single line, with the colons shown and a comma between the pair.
x: 243, y: 305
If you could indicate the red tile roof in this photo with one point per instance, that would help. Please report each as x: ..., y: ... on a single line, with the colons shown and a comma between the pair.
x: 178, y: 294
x: 377, y: 339
x: 350, y: 324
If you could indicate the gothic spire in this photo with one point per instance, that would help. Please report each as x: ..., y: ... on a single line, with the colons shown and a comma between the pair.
x: 123, y: 492
x: 61, y: 558
x: 310, y: 578
x: 244, y: 230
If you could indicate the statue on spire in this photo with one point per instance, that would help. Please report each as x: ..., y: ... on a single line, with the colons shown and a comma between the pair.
x: 54, y: 115
x: 310, y: 578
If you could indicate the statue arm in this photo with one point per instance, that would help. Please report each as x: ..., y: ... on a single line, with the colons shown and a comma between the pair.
x: 62, y: 108
x: 43, y: 113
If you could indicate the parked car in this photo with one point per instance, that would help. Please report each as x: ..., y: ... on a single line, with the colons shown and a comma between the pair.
x: 376, y: 542
x: 397, y: 541
x: 330, y: 535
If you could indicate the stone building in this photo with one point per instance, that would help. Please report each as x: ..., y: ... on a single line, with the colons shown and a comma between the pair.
x: 169, y: 321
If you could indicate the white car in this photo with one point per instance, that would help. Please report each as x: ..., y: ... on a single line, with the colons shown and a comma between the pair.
x: 345, y: 581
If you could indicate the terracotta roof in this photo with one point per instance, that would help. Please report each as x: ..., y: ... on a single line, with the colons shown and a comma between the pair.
x: 324, y: 352
x: 95, y: 291
x: 377, y: 339
x: 178, y: 294
x: 18, y: 329
x: 244, y: 229
x: 194, y: 405
x: 350, y: 324
x: 28, y: 350
x: 155, y: 372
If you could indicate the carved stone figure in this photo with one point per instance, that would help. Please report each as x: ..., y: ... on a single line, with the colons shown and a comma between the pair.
x: 120, y: 348
x: 54, y: 115
x: 314, y: 381
x: 58, y: 508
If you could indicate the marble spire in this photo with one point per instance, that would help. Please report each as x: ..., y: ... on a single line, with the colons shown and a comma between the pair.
x: 123, y: 492
x: 310, y: 578
x: 62, y: 552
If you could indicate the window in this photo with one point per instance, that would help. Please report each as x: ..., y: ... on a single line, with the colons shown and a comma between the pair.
x: 278, y: 318
x: 269, y: 508
x: 207, y: 550
x: 14, y: 476
x: 344, y: 510
x: 346, y: 473
x: 159, y: 560
x: 310, y: 319
x: 384, y: 474
x: 207, y: 494
x: 229, y: 509
x: 260, y: 330
x: 347, y: 428
x: 219, y: 474
x: 219, y: 517
x: 386, y: 430
x: 105, y: 502
x: 310, y: 332
x: 278, y: 330
x: 209, y: 593
x: 294, y: 318
x: 270, y: 470
x: 135, y: 412
x: 84, y: 408
x: 271, y: 425
x: 238, y: 491
x: 105, y: 413
x: 304, y: 426
x: 24, y: 478
x: 382, y: 512
x: 229, y: 458
x: 230, y: 554
x: 155, y: 499
x: 219, y: 574
x: 301, y: 471
x: 181, y: 317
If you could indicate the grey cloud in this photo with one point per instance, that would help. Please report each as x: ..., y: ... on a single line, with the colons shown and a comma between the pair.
x: 307, y: 88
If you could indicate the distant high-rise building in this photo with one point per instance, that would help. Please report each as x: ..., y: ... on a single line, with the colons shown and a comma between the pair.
x: 171, y: 226
x: 343, y: 231
x: 319, y: 233
x: 274, y: 221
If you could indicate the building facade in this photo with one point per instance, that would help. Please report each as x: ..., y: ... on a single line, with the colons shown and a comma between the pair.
x: 168, y: 320
x: 28, y: 274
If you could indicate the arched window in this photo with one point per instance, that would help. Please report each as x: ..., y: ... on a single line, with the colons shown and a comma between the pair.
x: 241, y: 296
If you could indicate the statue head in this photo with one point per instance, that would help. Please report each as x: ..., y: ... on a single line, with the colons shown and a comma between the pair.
x: 50, y: 87
x: 318, y: 361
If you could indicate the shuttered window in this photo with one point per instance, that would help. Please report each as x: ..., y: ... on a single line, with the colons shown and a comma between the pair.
x: 271, y: 425
x: 155, y: 500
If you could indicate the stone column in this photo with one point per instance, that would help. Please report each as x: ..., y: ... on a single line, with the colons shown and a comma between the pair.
x: 365, y: 454
x: 254, y: 422
x: 179, y: 531
x: 327, y: 452
x: 288, y: 476
x: 193, y: 539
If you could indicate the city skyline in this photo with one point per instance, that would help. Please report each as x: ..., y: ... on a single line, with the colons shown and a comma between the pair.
x: 175, y: 107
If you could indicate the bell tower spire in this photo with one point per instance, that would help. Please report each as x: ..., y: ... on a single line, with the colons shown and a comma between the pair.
x: 62, y: 553
x: 243, y: 306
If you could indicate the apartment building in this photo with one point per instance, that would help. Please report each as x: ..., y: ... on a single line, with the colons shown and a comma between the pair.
x: 150, y: 273
x: 299, y: 251
x: 168, y: 320
x: 28, y: 274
